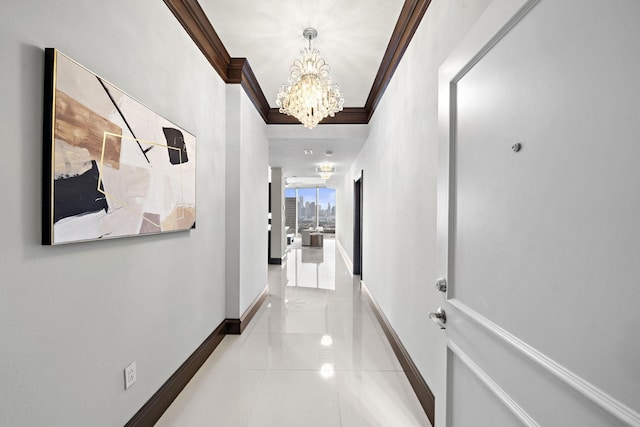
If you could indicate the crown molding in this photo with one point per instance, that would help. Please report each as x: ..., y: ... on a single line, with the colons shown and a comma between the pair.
x: 408, y: 22
x: 237, y: 70
x: 191, y: 16
x: 348, y: 116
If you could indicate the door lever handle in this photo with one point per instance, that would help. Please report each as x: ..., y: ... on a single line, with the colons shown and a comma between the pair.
x: 439, y: 318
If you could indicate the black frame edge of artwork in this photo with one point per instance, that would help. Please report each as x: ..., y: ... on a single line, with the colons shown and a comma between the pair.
x: 47, y: 138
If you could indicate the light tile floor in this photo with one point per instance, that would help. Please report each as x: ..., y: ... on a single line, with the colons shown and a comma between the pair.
x: 314, y: 355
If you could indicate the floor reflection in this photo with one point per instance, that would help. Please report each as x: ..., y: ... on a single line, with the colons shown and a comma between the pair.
x: 313, y: 355
x: 311, y: 267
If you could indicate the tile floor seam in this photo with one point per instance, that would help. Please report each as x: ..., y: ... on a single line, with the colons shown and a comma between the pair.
x: 338, y: 400
x: 253, y: 404
x: 277, y: 364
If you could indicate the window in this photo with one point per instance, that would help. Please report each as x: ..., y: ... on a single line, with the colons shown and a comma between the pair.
x: 327, y: 209
x: 310, y: 208
x: 306, y: 208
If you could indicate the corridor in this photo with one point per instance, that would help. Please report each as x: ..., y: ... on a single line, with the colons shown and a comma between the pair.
x: 314, y: 355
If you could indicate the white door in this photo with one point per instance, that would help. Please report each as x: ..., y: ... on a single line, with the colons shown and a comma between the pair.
x: 540, y: 243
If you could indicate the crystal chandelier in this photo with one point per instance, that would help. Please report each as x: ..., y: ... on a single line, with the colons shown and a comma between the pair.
x: 326, y: 170
x: 310, y: 96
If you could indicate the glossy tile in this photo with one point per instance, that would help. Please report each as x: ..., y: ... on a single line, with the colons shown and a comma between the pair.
x: 364, y: 353
x: 301, y: 352
x: 304, y: 299
x: 298, y: 322
x: 242, y: 352
x: 378, y: 399
x: 313, y: 355
x: 215, y: 397
x: 296, y: 398
x: 356, y: 323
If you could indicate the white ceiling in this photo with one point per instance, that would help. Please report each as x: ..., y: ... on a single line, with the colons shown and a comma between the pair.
x: 287, y: 145
x: 352, y: 37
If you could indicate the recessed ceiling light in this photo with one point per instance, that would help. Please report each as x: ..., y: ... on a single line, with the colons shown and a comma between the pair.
x: 308, y: 151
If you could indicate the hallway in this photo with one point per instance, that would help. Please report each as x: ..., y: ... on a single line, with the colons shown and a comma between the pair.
x: 314, y: 355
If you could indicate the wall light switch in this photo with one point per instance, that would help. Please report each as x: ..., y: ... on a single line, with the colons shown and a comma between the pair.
x: 130, y: 375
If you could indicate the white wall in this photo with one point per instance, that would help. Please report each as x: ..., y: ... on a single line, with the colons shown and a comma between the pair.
x: 278, y: 236
x: 72, y: 317
x: 247, y: 202
x: 399, y: 160
x: 344, y: 209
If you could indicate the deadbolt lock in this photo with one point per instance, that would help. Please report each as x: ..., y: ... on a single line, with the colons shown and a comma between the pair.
x: 441, y: 284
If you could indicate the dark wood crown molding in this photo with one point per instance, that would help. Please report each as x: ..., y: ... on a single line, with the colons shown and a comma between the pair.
x: 237, y: 70
x: 348, y: 116
x: 408, y: 22
x: 190, y: 14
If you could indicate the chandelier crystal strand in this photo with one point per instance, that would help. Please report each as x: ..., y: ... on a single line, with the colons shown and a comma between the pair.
x: 310, y: 96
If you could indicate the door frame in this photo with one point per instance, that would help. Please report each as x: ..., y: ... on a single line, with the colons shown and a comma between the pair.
x: 357, y: 223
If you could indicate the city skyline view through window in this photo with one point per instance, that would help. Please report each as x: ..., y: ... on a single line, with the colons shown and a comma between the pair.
x: 314, y: 207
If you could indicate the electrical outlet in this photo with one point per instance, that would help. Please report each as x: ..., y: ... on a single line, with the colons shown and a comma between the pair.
x: 130, y: 375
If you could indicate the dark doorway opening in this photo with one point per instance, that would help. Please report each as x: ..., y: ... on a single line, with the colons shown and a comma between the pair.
x: 357, y: 225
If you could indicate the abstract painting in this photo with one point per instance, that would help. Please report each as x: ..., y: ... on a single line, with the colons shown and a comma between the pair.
x: 112, y: 167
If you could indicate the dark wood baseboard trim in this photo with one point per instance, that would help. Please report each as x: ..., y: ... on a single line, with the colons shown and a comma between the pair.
x: 237, y: 326
x: 253, y: 309
x: 151, y: 412
x: 278, y: 261
x: 233, y: 327
x: 420, y: 386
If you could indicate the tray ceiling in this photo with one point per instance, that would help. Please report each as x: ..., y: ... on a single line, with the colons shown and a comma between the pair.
x: 352, y: 37
x: 254, y: 43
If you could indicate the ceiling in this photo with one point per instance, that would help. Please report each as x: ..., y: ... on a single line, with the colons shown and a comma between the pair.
x: 352, y: 37
x: 361, y: 40
x: 289, y: 145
